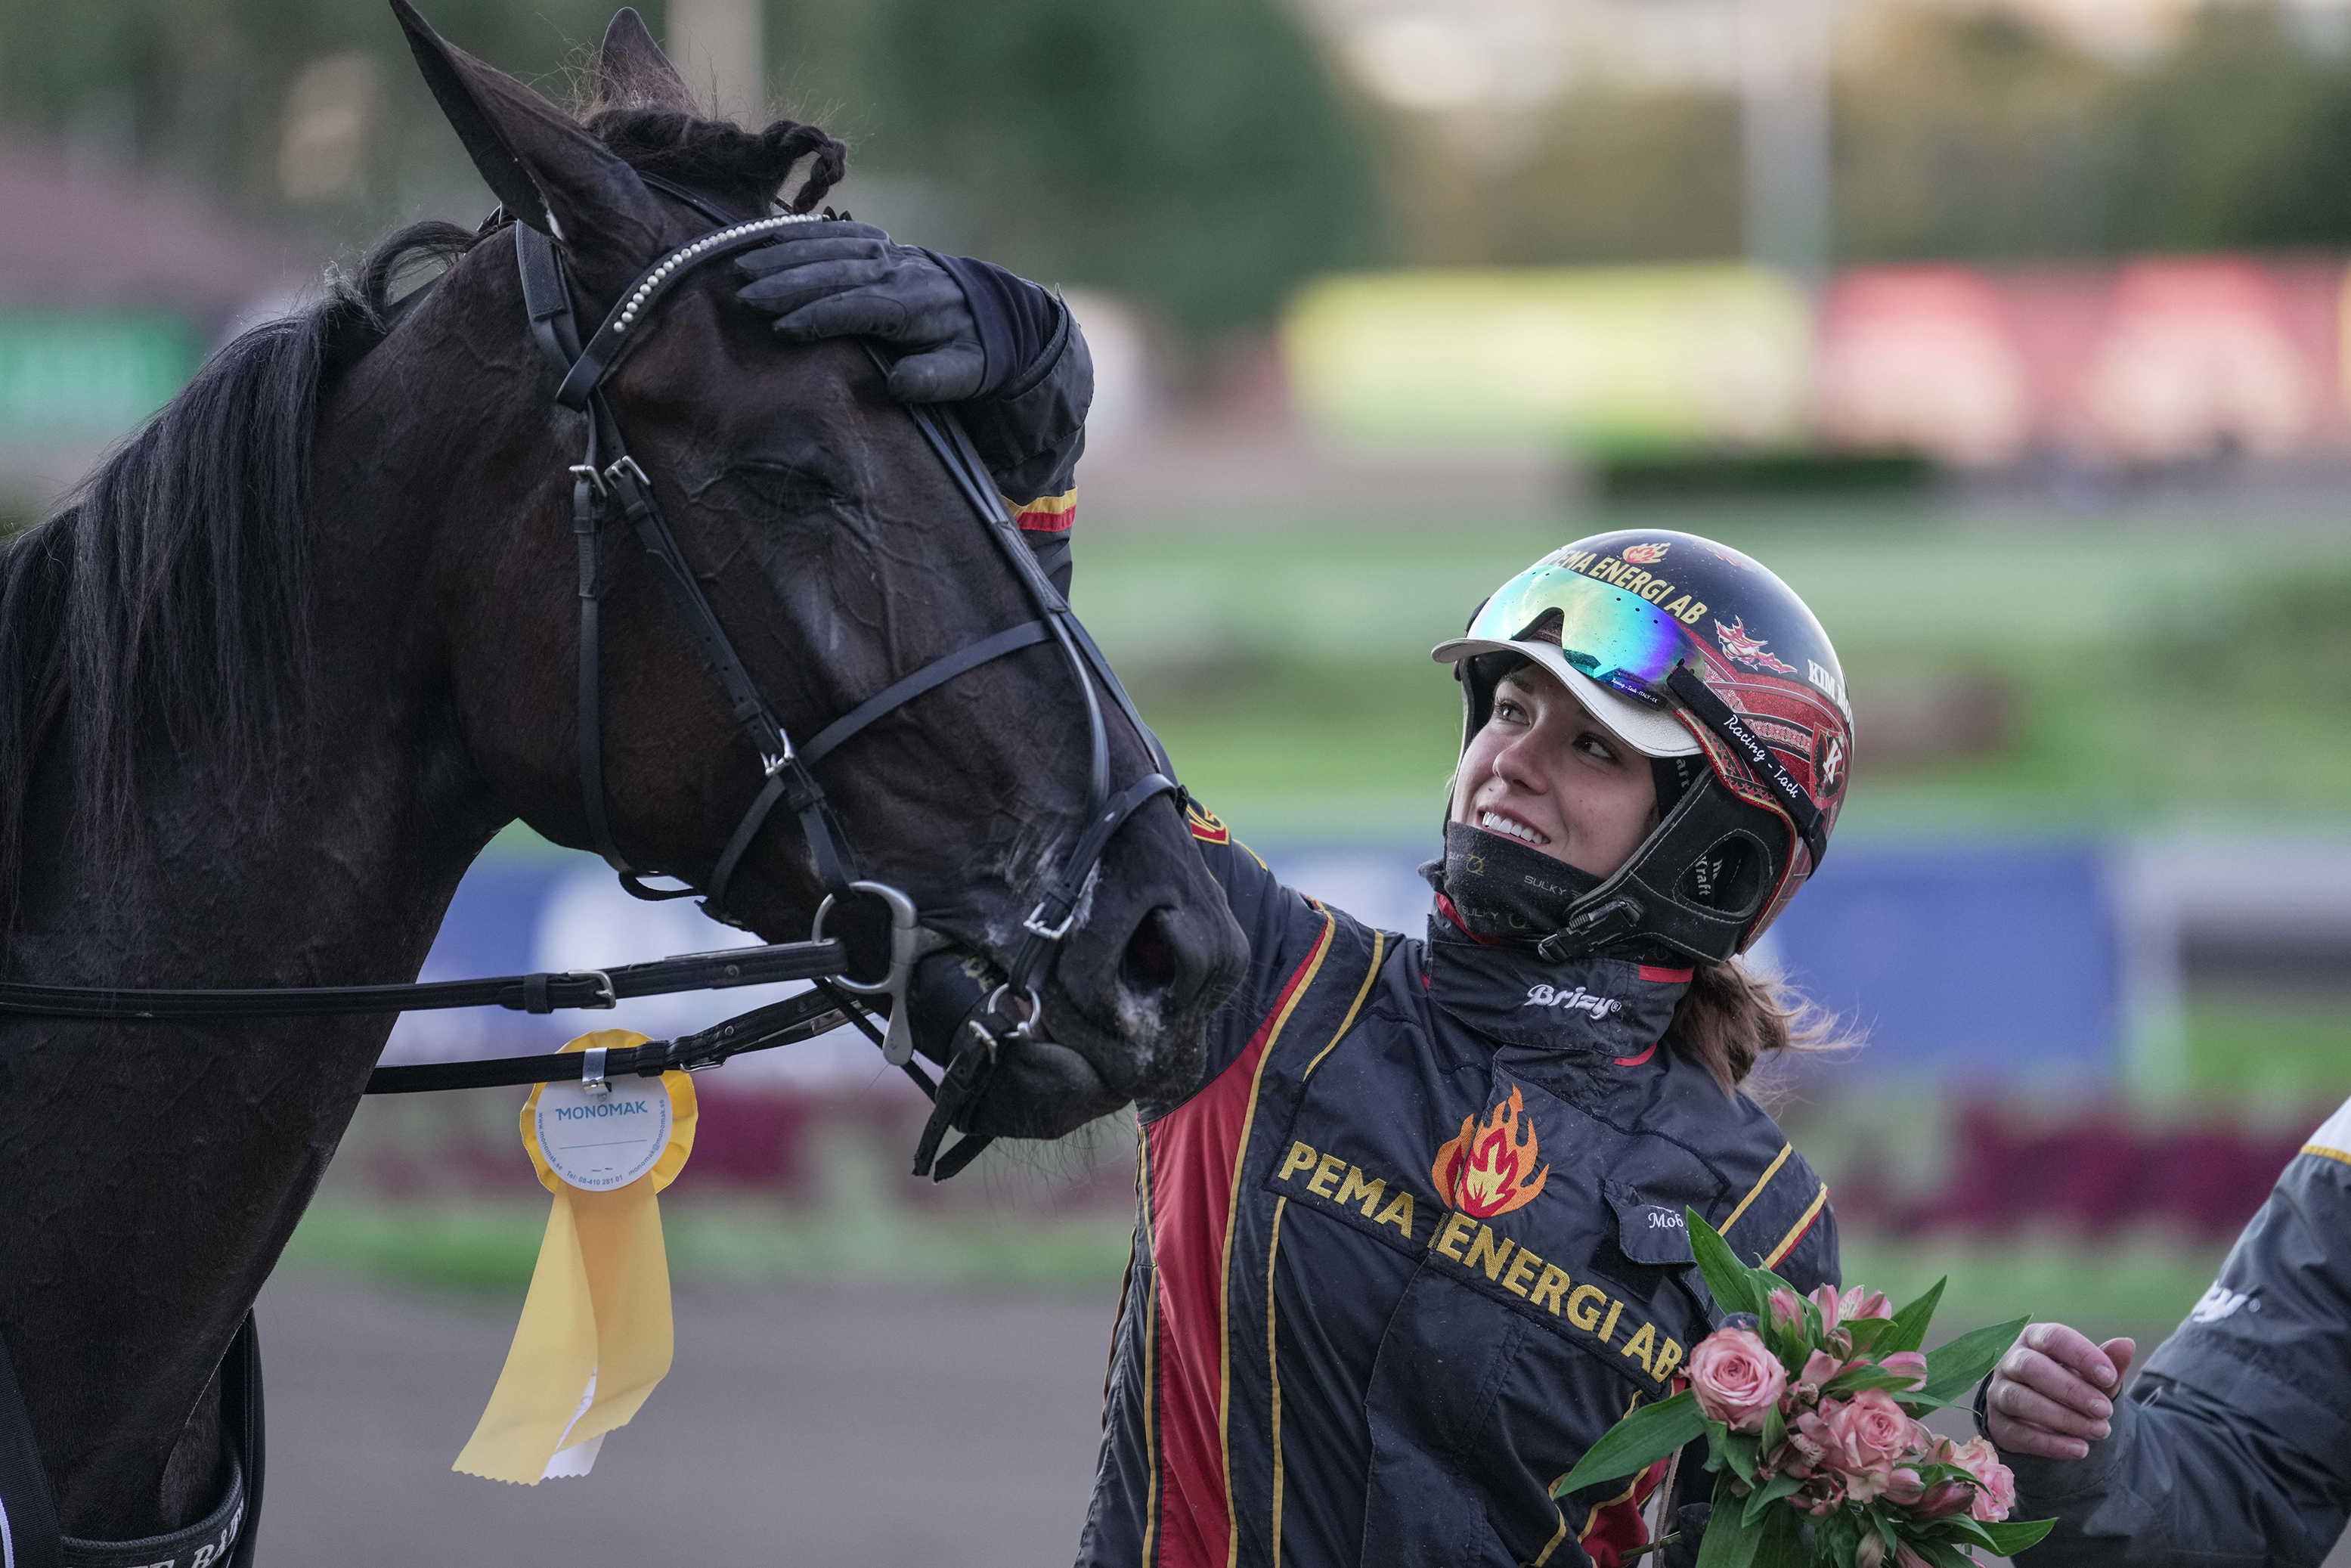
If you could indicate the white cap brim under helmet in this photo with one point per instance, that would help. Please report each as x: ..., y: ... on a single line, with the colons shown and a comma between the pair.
x: 1652, y: 732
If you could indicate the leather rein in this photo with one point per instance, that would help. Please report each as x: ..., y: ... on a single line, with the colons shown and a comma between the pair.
x: 609, y: 487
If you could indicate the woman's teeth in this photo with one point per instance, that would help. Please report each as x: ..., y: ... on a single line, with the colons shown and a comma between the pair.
x: 1494, y: 822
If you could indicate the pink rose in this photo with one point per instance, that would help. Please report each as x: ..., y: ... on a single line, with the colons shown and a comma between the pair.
x: 1735, y: 1379
x: 1861, y: 1439
x: 1995, y: 1485
x: 1910, y: 1364
x: 1859, y: 1303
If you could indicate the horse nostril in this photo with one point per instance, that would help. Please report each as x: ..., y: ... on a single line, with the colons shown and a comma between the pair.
x: 1150, y: 965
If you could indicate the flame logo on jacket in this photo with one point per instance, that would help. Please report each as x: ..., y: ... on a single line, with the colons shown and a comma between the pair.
x: 1489, y: 1168
x: 1645, y: 555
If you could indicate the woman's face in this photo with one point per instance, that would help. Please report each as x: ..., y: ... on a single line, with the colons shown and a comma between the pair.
x: 1545, y: 772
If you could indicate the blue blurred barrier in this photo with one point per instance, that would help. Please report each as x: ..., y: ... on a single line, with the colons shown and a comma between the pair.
x: 1963, y: 963
x: 1970, y: 964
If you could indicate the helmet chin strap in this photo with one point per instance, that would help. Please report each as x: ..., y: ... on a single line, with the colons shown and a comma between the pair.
x: 1687, y: 893
x: 1692, y: 889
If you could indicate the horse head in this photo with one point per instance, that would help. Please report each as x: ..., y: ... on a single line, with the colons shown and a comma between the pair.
x: 839, y: 557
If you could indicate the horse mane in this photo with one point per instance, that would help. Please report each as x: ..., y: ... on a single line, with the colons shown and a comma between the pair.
x: 166, y: 602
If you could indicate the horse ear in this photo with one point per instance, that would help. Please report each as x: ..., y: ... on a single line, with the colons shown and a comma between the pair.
x: 546, y: 170
x: 631, y: 69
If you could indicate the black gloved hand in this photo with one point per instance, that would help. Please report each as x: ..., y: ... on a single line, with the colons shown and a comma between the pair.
x: 1689, y: 1534
x: 836, y: 278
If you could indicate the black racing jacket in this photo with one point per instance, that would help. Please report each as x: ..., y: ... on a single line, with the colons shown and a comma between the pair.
x: 1415, y: 1243
x: 2234, y: 1445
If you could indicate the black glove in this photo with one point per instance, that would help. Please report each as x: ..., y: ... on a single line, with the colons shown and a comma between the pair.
x: 1688, y: 1530
x: 836, y: 278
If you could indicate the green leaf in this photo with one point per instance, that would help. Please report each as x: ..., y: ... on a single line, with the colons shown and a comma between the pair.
x: 1637, y: 1442
x: 1954, y: 1368
x: 1730, y: 1541
x: 1775, y: 1430
x: 1863, y: 1378
x: 1909, y: 1330
x: 1784, y: 1541
x: 1941, y: 1553
x: 1772, y: 1491
x: 1839, y: 1537
x: 1740, y: 1447
x: 2012, y: 1536
x: 1869, y: 1333
x: 1732, y: 1283
x: 1960, y: 1527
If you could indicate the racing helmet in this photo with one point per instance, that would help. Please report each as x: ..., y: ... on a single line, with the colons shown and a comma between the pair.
x: 1700, y: 659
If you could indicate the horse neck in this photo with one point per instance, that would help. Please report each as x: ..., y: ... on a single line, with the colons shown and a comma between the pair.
x: 331, y: 864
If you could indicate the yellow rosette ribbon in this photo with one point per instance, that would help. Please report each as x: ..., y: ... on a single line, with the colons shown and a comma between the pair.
x: 595, y: 1335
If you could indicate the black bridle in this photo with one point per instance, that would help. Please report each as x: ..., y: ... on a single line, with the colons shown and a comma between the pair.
x: 608, y: 486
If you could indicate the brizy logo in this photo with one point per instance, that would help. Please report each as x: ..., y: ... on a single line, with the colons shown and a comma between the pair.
x: 1578, y: 1001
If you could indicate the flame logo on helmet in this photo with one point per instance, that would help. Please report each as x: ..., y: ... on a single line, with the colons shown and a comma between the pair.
x: 1749, y: 651
x: 1648, y: 554
x: 1490, y: 1167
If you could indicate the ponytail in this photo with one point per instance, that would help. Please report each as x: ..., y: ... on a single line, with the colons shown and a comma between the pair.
x: 1731, y: 1017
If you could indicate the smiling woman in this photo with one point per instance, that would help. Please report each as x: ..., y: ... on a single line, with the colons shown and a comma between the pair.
x: 1416, y: 1242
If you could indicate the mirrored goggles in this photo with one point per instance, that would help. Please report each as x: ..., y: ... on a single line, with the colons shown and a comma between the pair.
x: 1618, y: 639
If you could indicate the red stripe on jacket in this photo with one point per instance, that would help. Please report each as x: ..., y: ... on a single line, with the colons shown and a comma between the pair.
x: 1193, y: 1151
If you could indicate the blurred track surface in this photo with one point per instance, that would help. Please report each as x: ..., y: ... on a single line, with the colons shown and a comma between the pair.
x: 834, y: 1425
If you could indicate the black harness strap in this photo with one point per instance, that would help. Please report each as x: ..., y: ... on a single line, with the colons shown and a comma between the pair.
x: 537, y: 993
x: 1718, y: 717
x: 787, y: 1022
x: 890, y: 698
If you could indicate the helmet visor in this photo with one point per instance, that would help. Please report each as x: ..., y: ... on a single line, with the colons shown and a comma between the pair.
x: 1616, y: 638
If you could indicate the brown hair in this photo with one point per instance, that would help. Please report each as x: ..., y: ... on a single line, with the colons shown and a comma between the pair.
x: 1731, y: 1017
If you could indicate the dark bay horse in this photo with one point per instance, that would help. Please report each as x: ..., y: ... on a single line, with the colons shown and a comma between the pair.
x: 277, y: 676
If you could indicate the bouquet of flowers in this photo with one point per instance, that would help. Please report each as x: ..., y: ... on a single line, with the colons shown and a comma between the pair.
x: 1810, y: 1408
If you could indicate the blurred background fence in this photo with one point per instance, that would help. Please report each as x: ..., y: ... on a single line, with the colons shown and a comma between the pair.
x: 2016, y: 336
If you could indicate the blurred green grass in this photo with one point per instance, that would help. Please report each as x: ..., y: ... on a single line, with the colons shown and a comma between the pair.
x: 2150, y: 667
x: 487, y: 1247
x: 2245, y: 1045
x: 2140, y: 1286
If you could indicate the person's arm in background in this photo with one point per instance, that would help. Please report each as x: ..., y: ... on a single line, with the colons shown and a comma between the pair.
x: 1004, y: 354
x: 2234, y: 1445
